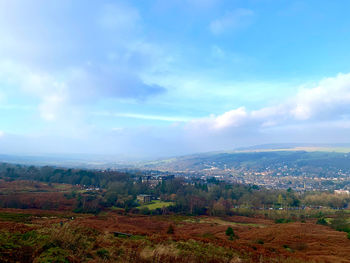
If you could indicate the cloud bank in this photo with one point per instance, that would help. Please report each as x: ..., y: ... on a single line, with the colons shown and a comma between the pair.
x: 49, y: 55
x: 328, y: 101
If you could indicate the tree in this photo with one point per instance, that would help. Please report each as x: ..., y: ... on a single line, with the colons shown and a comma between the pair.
x: 229, y: 232
x: 280, y: 200
x: 340, y: 222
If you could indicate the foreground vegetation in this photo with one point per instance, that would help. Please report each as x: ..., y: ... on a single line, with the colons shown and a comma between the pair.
x: 44, y: 236
x: 70, y: 243
x: 60, y: 221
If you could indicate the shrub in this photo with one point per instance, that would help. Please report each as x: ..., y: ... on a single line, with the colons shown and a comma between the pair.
x: 229, y: 231
x: 282, y: 221
x: 103, y: 253
x: 145, y: 211
x: 287, y: 248
x: 322, y: 221
x: 340, y: 222
x: 54, y: 254
x: 260, y: 241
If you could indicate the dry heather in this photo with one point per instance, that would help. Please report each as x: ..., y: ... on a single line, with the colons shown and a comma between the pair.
x: 31, y: 236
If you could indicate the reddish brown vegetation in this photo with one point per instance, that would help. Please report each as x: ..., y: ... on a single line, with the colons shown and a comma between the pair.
x: 306, y: 241
x: 263, y: 240
x: 37, y: 200
x: 28, y: 194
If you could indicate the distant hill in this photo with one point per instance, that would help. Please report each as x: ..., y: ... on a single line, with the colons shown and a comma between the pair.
x: 257, y: 158
x: 343, y: 147
x: 253, y: 155
x: 68, y: 160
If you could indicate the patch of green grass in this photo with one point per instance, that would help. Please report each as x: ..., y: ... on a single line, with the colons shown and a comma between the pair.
x: 176, y: 218
x: 156, y: 204
x: 62, y: 186
x: 54, y: 254
x: 283, y: 220
x: 205, y: 252
x: 27, y: 218
x: 15, y: 217
x: 287, y: 248
x: 223, y: 222
x: 138, y: 237
x: 193, y: 220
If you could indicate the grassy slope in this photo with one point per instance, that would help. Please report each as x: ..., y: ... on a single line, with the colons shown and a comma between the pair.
x: 156, y: 204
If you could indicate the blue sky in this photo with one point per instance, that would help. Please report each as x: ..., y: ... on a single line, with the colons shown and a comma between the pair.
x: 159, y: 78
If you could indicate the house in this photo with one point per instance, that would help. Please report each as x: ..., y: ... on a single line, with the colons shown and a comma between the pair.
x: 341, y: 192
x: 144, y: 198
x: 153, y: 180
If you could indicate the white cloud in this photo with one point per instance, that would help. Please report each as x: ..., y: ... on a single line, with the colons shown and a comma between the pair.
x: 2, y: 134
x: 328, y: 101
x: 332, y: 94
x: 231, y: 21
x: 53, y: 95
x: 143, y: 116
x: 50, y: 107
x: 80, y: 59
x: 232, y: 118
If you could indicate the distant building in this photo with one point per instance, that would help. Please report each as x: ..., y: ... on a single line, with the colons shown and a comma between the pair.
x: 144, y: 198
x: 154, y: 180
x: 341, y: 192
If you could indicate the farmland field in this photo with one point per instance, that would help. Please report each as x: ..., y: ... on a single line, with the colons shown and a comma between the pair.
x: 156, y: 204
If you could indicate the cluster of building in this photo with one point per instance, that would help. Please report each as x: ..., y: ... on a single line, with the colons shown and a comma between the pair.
x: 277, y: 177
x: 292, y: 177
x: 154, y: 179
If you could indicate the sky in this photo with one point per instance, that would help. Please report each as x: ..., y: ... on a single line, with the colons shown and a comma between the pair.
x: 160, y: 78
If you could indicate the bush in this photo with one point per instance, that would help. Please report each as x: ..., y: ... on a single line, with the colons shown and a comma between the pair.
x: 145, y: 211
x: 260, y: 241
x: 340, y: 222
x: 282, y: 221
x: 54, y: 254
x: 103, y: 253
x: 229, y: 231
x: 322, y: 221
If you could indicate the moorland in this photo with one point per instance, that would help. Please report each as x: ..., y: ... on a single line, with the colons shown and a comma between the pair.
x: 51, y: 214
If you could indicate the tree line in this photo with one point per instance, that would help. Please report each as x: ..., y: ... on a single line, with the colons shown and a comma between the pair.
x: 196, y: 197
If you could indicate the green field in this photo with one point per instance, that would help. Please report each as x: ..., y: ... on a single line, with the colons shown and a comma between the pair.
x: 300, y: 148
x: 156, y: 204
x: 15, y: 217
